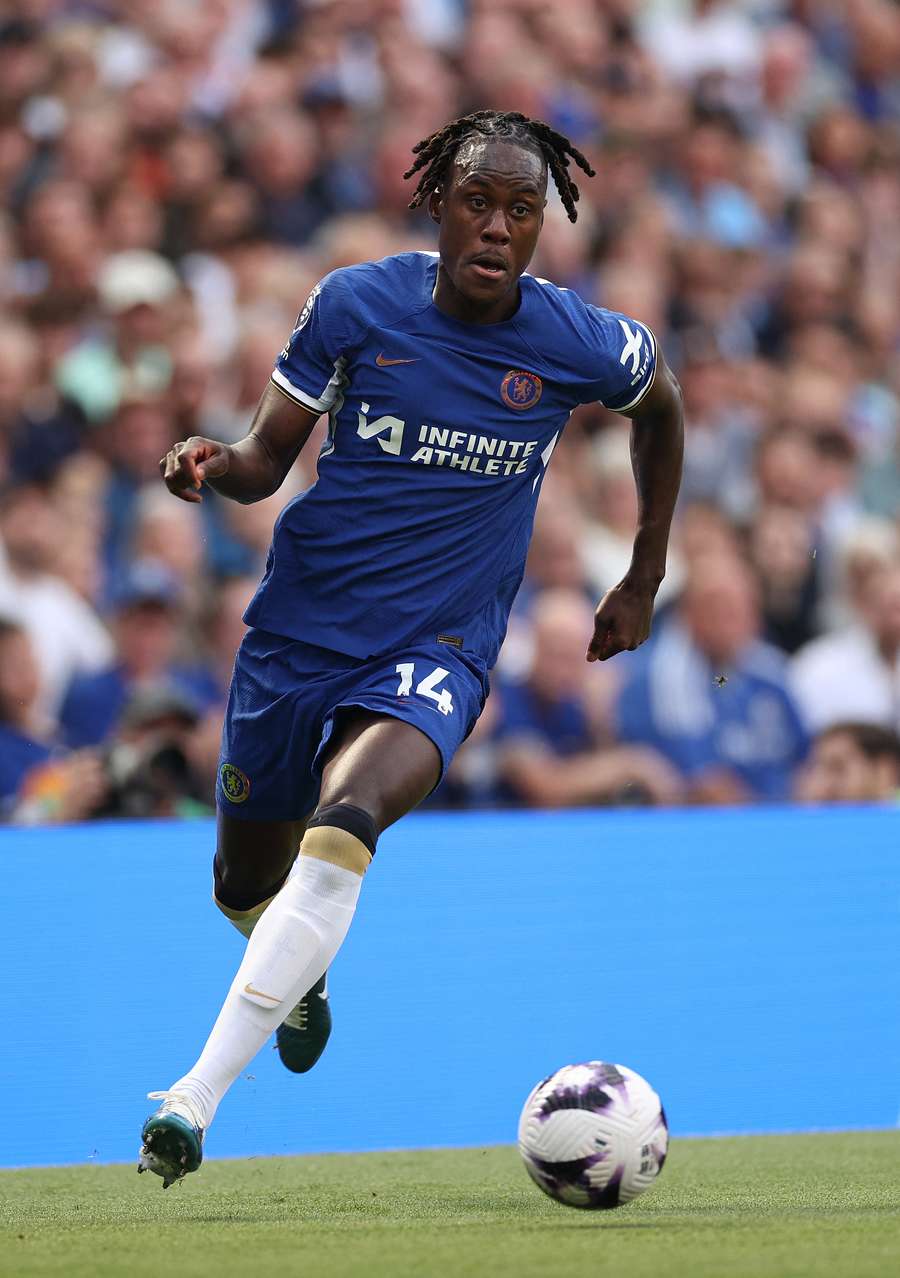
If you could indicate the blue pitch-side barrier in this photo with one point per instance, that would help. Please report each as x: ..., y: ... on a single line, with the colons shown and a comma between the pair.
x: 745, y: 962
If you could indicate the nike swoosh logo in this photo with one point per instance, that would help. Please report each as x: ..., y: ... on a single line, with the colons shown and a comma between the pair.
x: 386, y: 363
x: 248, y: 989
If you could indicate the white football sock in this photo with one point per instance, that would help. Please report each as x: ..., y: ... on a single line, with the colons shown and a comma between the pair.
x: 291, y: 945
x: 245, y: 920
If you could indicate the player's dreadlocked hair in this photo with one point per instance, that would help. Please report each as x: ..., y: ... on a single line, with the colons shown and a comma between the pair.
x: 435, y: 154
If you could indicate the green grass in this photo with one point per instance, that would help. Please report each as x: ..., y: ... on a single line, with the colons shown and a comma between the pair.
x: 750, y: 1207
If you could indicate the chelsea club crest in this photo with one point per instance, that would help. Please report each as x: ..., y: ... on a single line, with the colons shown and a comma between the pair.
x: 235, y: 783
x: 521, y: 390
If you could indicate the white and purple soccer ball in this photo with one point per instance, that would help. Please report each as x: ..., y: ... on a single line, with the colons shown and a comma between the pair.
x: 593, y: 1135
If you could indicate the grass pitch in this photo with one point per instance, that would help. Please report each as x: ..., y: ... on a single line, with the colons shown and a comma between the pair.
x: 750, y: 1207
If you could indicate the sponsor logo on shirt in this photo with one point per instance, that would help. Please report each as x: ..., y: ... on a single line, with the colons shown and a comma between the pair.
x: 634, y: 340
x: 631, y: 352
x: 382, y: 362
x: 462, y: 450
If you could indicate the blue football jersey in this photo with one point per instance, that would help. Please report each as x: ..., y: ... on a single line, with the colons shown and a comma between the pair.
x: 440, y: 433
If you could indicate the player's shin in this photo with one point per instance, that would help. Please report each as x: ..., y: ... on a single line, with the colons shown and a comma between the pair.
x: 304, y: 1033
x: 291, y: 946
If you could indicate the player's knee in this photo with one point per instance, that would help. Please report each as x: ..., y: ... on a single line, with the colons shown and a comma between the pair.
x: 343, y: 833
x: 358, y: 814
x: 239, y: 887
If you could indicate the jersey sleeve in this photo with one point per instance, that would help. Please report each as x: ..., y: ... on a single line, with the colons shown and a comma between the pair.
x: 621, y: 353
x: 310, y: 368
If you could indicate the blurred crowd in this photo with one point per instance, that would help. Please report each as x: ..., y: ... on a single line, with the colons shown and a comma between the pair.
x: 176, y: 176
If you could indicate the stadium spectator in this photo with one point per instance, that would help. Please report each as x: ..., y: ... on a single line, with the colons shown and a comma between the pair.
x: 554, y: 746
x: 225, y: 626
x: 872, y: 546
x: 132, y: 442
x: 191, y: 388
x: 150, y: 766
x: 555, y: 562
x: 74, y: 493
x: 711, y: 697
x: 176, y: 179
x: 852, y: 763
x: 239, y: 535
x: 783, y: 554
x: 174, y: 539
x: 38, y: 429
x: 249, y: 369
x: 610, y: 506
x: 719, y: 433
x: 704, y: 529
x: 67, y: 635
x: 21, y: 746
x: 555, y: 557
x: 855, y: 673
x: 146, y: 628
x: 136, y: 289
x: 38, y: 782
x: 711, y: 44
x: 280, y: 154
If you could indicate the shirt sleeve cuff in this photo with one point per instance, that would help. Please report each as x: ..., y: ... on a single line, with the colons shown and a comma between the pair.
x: 300, y: 396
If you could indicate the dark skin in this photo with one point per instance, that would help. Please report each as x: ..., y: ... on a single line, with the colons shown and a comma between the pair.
x: 254, y: 857
x: 491, y: 211
x: 622, y: 618
x: 490, y: 214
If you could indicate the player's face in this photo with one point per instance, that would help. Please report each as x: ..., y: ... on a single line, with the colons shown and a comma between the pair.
x: 490, y: 215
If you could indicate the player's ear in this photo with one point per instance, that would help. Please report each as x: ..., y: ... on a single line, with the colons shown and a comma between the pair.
x: 435, y: 201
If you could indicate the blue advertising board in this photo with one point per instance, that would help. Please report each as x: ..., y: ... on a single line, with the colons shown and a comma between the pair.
x: 744, y: 961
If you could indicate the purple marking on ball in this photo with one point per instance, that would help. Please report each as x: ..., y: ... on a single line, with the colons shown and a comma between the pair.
x: 568, y: 1172
x: 661, y: 1158
x: 589, y: 1096
x: 555, y: 1177
x: 608, y: 1197
x: 592, y: 1096
x: 612, y: 1078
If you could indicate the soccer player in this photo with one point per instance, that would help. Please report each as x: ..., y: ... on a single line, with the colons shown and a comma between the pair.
x: 447, y: 379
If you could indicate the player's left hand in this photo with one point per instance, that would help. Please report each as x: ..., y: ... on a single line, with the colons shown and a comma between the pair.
x: 622, y: 620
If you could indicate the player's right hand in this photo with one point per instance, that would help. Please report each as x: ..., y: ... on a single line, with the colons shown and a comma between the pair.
x: 188, y: 464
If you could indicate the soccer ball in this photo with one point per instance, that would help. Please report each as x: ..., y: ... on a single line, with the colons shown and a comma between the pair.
x: 593, y: 1135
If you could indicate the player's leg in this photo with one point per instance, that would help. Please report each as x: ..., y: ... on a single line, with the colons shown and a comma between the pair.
x: 252, y: 861
x: 266, y: 784
x: 376, y: 769
x: 303, y: 1035
x: 379, y: 764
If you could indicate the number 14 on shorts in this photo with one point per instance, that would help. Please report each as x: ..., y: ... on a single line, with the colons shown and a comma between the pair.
x: 426, y: 687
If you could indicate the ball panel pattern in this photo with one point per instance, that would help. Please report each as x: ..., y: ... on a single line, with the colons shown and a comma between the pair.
x: 593, y: 1135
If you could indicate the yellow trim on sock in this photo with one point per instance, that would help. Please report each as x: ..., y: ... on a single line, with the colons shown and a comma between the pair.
x: 338, y: 847
x: 244, y: 920
x: 240, y: 916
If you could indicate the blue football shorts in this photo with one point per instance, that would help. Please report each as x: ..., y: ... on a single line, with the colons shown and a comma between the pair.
x: 286, y: 696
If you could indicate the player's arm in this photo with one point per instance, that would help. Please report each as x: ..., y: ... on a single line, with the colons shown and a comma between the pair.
x: 251, y: 469
x: 622, y: 619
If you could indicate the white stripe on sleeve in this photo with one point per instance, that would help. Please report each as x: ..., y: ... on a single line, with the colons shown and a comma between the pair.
x: 325, y: 400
